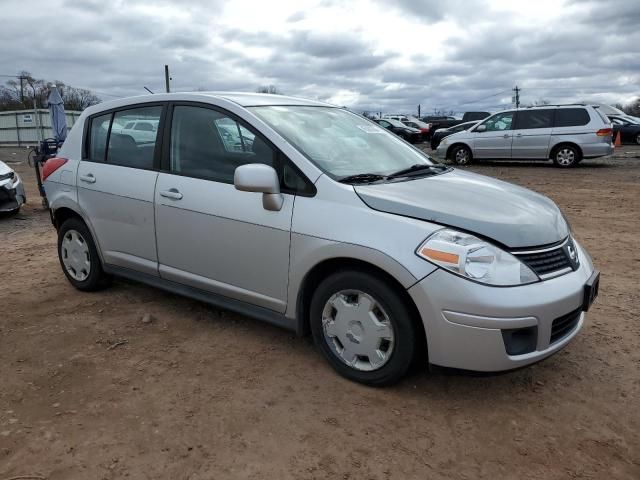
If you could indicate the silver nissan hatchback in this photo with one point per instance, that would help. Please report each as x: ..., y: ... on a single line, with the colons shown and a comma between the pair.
x: 315, y: 219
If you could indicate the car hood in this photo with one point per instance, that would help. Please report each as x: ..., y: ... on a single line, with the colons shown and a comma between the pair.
x: 4, y: 168
x: 510, y: 215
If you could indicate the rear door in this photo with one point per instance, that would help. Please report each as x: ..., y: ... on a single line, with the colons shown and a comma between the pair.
x: 532, y: 133
x: 116, y: 182
x: 495, y: 141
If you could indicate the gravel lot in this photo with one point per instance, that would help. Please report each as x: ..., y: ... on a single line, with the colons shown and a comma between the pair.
x: 89, y: 391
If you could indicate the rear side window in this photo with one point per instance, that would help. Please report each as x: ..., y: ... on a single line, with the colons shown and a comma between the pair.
x: 98, y: 138
x: 534, y: 119
x: 134, y: 148
x: 208, y: 144
x: 571, y: 117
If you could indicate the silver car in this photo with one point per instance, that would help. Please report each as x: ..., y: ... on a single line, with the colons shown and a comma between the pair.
x: 565, y: 134
x: 321, y: 222
x: 12, y: 194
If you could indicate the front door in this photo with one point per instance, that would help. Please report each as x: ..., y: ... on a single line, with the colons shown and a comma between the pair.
x: 116, y: 185
x: 532, y: 133
x: 495, y: 141
x: 210, y: 235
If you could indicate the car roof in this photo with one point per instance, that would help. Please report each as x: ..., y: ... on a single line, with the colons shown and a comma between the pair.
x: 244, y: 99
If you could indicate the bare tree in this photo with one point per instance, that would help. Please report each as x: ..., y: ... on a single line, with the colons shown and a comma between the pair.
x: 633, y: 107
x: 268, y: 89
x: 20, y: 94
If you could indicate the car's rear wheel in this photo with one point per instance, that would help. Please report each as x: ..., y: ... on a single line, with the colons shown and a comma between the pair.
x: 79, y: 257
x: 461, y: 155
x: 363, y: 327
x: 638, y: 139
x: 566, y: 156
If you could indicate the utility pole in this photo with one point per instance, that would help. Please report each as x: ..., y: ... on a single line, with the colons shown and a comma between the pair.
x: 21, y: 88
x: 166, y: 77
x: 516, y: 97
x: 418, y: 110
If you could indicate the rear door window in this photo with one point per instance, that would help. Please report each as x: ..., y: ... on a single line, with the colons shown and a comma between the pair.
x: 99, y: 132
x: 135, y: 147
x: 526, y: 119
x: 571, y: 117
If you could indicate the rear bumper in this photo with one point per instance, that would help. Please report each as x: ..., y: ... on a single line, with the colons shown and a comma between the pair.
x: 594, y: 150
x: 469, y: 326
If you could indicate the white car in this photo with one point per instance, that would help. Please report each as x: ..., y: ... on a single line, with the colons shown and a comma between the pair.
x: 12, y: 194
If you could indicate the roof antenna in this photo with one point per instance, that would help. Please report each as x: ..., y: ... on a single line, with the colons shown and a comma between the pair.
x: 148, y: 90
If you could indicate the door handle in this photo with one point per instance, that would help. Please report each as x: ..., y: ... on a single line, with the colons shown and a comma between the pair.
x: 172, y: 193
x: 506, y: 135
x: 88, y: 178
x: 518, y: 135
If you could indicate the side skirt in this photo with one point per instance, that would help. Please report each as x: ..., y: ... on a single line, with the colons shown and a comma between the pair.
x: 243, y: 308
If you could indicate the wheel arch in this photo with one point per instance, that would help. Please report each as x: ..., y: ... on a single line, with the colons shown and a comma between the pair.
x: 64, y: 212
x: 327, y: 267
x: 565, y: 143
x: 457, y: 144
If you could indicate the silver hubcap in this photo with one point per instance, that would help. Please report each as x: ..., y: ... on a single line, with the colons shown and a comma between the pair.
x: 358, y: 330
x: 75, y: 255
x: 462, y: 156
x: 565, y: 156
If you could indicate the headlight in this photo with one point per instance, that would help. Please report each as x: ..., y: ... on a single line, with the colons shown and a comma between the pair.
x: 475, y: 259
x: 7, y: 175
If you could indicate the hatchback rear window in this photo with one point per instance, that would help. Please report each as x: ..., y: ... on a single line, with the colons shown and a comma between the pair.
x: 571, y: 117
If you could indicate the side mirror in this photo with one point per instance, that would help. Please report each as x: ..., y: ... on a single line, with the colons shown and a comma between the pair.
x: 257, y: 177
x: 481, y: 128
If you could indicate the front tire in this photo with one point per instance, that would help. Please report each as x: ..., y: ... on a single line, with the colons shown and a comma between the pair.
x: 566, y: 156
x: 363, y: 327
x: 461, y: 155
x: 79, y: 257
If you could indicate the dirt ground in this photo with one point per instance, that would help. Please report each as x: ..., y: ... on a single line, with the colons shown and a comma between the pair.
x: 89, y: 391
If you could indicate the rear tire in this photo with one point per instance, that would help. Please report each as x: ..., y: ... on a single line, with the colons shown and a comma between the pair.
x: 363, y: 327
x: 461, y: 155
x: 566, y: 156
x: 638, y: 139
x: 79, y: 257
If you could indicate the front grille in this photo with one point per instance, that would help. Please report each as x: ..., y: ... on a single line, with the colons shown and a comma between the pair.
x: 564, y: 325
x: 544, y: 263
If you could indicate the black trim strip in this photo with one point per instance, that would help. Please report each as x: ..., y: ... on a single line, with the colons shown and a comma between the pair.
x: 215, y: 299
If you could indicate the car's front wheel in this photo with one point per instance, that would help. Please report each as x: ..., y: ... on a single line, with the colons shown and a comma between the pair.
x: 363, y: 327
x: 79, y: 257
x: 461, y: 155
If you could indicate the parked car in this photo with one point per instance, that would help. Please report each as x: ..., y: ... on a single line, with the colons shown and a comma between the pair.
x: 438, y: 135
x: 409, y: 134
x: 12, y: 194
x: 425, y: 128
x: 142, y: 131
x: 565, y: 134
x: 469, y: 116
x: 628, y: 130
x: 438, y: 122
x: 328, y: 225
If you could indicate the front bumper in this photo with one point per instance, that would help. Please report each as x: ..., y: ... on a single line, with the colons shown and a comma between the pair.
x: 465, y: 322
x: 12, y: 195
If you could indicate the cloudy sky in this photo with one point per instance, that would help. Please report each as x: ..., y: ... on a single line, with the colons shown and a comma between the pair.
x: 376, y: 55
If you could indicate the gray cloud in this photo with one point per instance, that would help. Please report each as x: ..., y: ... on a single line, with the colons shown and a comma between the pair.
x: 116, y: 48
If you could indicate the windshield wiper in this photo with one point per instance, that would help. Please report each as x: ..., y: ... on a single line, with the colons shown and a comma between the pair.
x: 419, y: 167
x: 362, y: 178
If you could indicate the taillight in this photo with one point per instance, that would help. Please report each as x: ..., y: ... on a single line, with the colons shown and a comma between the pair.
x: 51, y: 166
x: 604, y: 132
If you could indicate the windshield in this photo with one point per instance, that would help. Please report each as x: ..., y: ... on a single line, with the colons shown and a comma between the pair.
x: 339, y: 142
